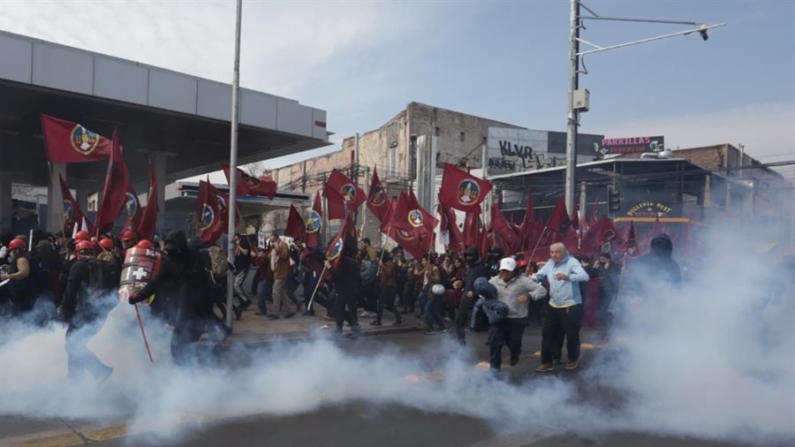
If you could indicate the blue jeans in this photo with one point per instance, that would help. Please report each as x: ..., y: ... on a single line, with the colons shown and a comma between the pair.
x: 264, y: 294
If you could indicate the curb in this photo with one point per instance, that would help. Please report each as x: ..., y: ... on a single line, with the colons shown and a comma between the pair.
x: 254, y: 341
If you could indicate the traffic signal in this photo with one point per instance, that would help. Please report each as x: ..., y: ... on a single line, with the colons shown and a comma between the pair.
x: 613, y: 200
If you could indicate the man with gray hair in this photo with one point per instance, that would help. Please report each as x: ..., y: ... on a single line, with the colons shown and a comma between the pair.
x: 564, y: 313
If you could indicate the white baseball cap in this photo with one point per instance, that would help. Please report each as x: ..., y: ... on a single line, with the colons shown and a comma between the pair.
x: 508, y: 264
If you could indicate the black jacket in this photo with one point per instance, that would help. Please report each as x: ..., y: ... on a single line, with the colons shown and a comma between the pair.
x: 655, y: 271
x: 182, y: 287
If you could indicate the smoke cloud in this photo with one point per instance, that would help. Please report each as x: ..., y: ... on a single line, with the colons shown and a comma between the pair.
x: 711, y: 361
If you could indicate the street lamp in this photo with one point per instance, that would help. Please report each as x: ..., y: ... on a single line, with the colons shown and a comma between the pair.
x: 579, y: 99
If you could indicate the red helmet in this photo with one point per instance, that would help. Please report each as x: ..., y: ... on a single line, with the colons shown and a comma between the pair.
x: 84, y: 246
x: 106, y: 243
x: 128, y: 235
x: 144, y: 244
x: 16, y: 244
x: 82, y: 236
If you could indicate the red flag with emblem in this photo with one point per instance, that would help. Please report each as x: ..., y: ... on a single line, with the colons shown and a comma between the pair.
x: 462, y: 190
x: 559, y: 222
x: 72, y: 213
x: 335, y: 250
x: 133, y: 209
x: 210, y: 224
x: 600, y: 233
x: 68, y: 142
x: 630, y: 245
x: 377, y: 200
x: 409, y: 216
x: 313, y: 223
x: 222, y: 200
x: 342, y: 195
x: 296, y: 228
x: 115, y: 191
x: 148, y: 224
x: 248, y: 185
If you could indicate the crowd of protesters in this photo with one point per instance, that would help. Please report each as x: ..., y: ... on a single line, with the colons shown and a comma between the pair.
x: 69, y: 279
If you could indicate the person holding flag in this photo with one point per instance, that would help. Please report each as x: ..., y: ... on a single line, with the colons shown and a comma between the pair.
x: 346, y: 275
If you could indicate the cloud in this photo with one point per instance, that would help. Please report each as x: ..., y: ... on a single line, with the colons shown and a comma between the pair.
x: 766, y: 129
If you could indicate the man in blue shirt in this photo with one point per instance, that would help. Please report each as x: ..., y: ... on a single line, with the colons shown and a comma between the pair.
x: 564, y: 313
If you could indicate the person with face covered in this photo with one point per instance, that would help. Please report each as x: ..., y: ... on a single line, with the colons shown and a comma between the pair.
x: 655, y: 271
x: 347, y: 280
x: 183, y: 282
x: 85, y: 307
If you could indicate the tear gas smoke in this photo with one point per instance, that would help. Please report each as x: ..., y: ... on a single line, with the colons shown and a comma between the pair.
x: 713, y: 360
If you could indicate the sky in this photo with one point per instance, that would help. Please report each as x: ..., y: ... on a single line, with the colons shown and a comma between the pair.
x: 364, y: 61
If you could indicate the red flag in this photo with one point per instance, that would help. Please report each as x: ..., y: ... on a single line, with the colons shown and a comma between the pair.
x: 114, y: 193
x: 448, y: 223
x: 71, y: 211
x: 148, y: 224
x: 508, y: 239
x: 377, y: 200
x: 296, y: 228
x: 410, y: 216
x: 594, y: 213
x: 601, y: 233
x: 575, y: 217
x: 417, y: 245
x: 313, y: 223
x: 341, y: 192
x: 248, y: 185
x: 630, y: 245
x: 335, y: 250
x: 210, y: 224
x: 559, y: 221
x: 68, y: 142
x: 473, y: 227
x: 526, y: 229
x: 222, y: 200
x: 133, y: 207
x: 461, y: 190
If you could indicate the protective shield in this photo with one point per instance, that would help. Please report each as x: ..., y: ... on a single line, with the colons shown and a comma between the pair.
x: 141, y: 265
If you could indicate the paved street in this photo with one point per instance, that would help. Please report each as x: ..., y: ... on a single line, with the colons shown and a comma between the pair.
x: 367, y: 422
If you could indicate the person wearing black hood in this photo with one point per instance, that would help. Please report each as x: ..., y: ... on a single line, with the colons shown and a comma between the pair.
x: 183, y: 282
x: 493, y: 258
x: 655, y: 269
x: 347, y: 280
x: 477, y: 269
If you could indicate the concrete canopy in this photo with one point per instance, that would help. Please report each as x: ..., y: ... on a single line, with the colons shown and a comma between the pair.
x: 182, y: 118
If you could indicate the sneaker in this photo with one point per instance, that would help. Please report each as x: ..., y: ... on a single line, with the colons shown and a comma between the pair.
x: 375, y: 323
x: 545, y: 367
x: 571, y: 365
x: 514, y: 360
x: 238, y: 313
x: 429, y: 332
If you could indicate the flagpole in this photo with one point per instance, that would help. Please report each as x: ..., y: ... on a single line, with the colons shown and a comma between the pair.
x: 230, y: 278
x: 143, y: 333
x: 317, y: 285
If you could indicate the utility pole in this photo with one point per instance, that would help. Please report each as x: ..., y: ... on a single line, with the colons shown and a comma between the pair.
x: 574, y: 114
x: 230, y: 278
x: 303, y: 179
x: 578, y: 100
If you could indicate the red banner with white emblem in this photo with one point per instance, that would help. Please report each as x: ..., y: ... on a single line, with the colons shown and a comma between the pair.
x: 461, y: 190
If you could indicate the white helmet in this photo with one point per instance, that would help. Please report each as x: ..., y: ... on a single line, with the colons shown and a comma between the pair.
x: 437, y: 289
